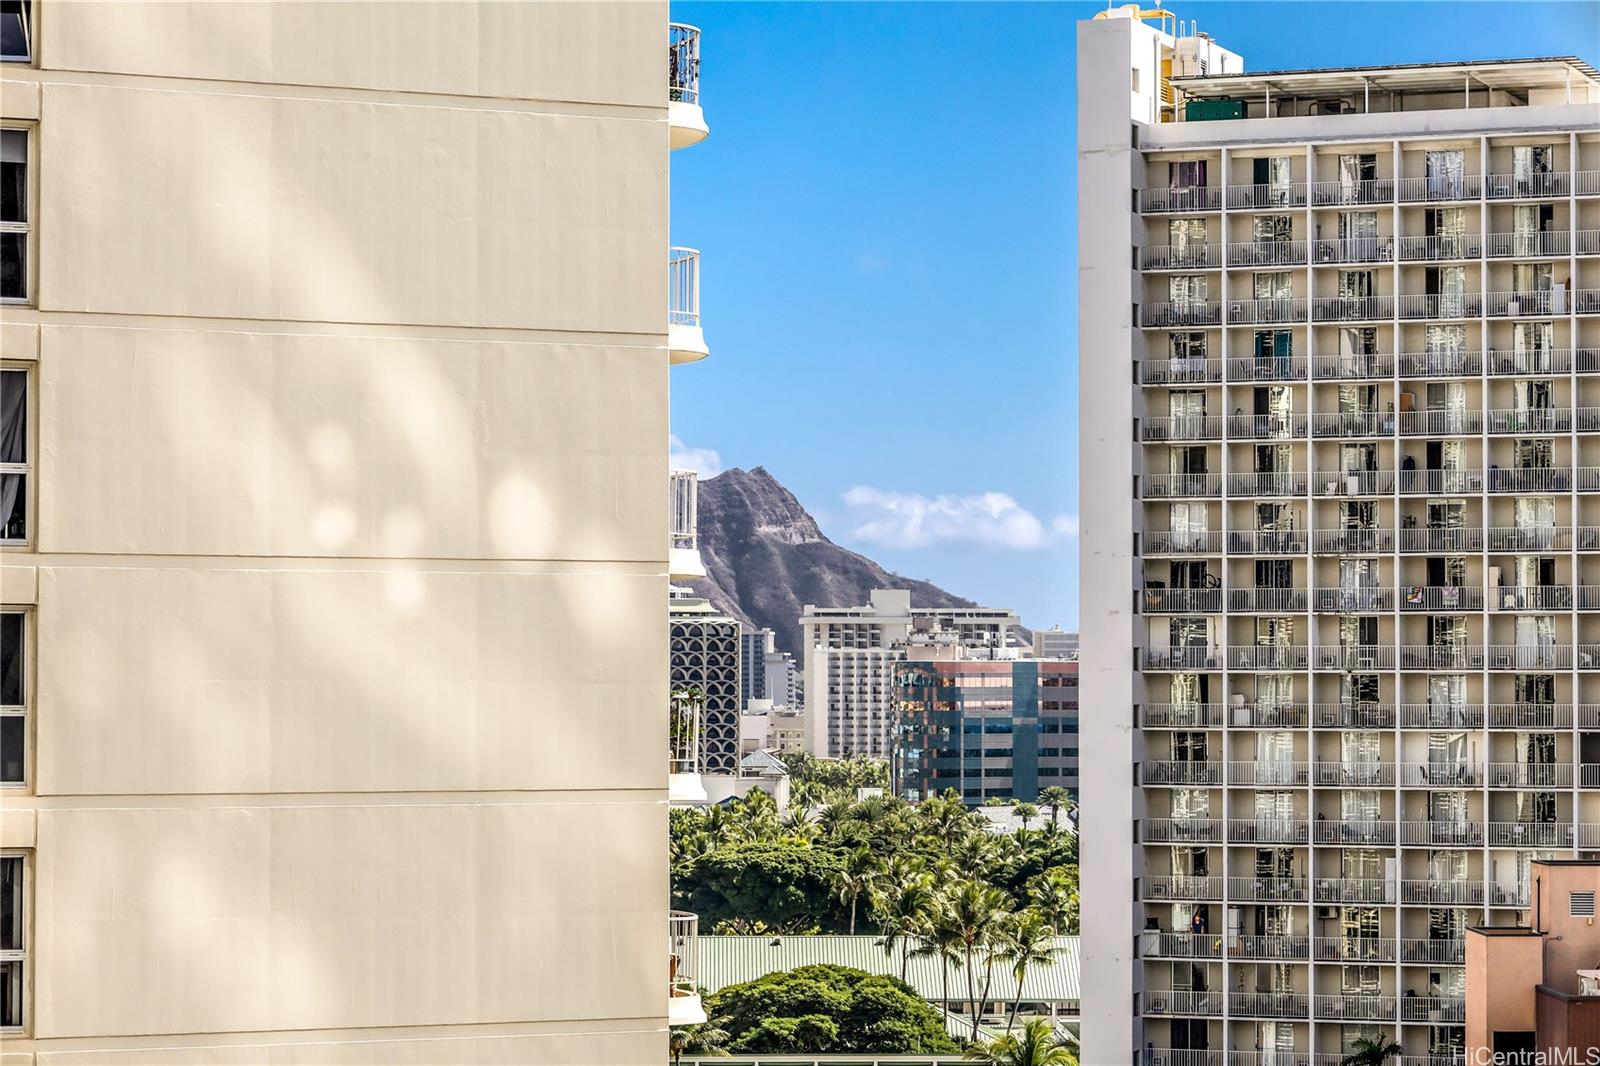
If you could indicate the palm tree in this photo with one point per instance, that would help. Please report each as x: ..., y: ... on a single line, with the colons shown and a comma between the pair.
x: 1374, y: 1051
x: 1026, y: 941
x: 1025, y: 812
x: 702, y: 1039
x: 1038, y: 1046
x: 1055, y: 797
x: 974, y: 908
x: 853, y: 878
x: 941, y: 938
x: 1054, y: 894
x: 903, y: 907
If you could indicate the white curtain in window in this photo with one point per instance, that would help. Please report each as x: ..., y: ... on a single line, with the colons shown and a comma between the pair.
x: 1531, y: 277
x: 1186, y: 289
x: 1446, y: 172
x: 1531, y: 343
x: 1447, y: 755
x: 1359, y: 980
x: 1361, y: 864
x: 1447, y: 866
x: 1186, y: 691
x: 1528, y: 160
x: 1356, y: 284
x: 1272, y: 229
x: 1525, y: 232
x: 1274, y: 756
x: 1273, y: 285
x: 1186, y: 403
x: 1191, y: 803
x: 1274, y: 691
x: 1359, y: 805
x: 1186, y: 236
x: 1360, y: 747
x: 1447, y: 698
x: 1536, y: 749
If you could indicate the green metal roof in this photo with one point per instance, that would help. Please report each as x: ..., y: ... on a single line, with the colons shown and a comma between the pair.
x: 732, y: 960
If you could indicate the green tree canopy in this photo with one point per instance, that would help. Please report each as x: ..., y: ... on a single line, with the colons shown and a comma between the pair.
x: 827, y: 1008
x: 788, y: 886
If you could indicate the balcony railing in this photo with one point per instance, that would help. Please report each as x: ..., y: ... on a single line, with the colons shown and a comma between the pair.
x: 1447, y: 774
x: 1434, y: 189
x: 1352, y: 890
x: 1527, y: 187
x: 1530, y: 716
x: 1268, y: 831
x: 1267, y: 427
x: 1586, y: 301
x: 1354, y: 716
x: 1352, y: 308
x: 1432, y: 1008
x: 683, y: 754
x: 1440, y: 716
x: 1530, y: 775
x: 1353, y: 541
x: 1164, y: 945
x: 1182, y: 830
x: 1162, y: 1002
x: 1512, y: 539
x: 1352, y: 367
x: 1531, y: 420
x: 1528, y: 245
x: 1442, y: 834
x: 1344, y: 601
x: 1349, y: 1007
x: 1587, y: 183
x: 1440, y: 598
x: 1356, y: 657
x: 1354, y: 832
x: 1267, y: 311
x: 1532, y: 598
x: 1589, y: 775
x: 1356, y: 250
x: 1182, y: 601
x: 1267, y: 253
x: 1183, y: 371
x: 1354, y: 774
x: 1338, y: 193
x: 1292, y: 948
x: 1181, y: 198
x: 1268, y: 773
x: 1355, y: 949
x: 1439, y: 249
x: 1353, y: 424
x: 1179, y: 772
x: 1267, y: 657
x: 1441, y: 364
x: 1180, y: 486
x: 1268, y: 889
x: 1189, y: 542
x: 1530, y: 834
x: 1281, y: 194
x: 1539, y: 479
x: 1450, y: 423
x: 1267, y: 368
x: 1182, y: 257
x: 1181, y: 427
x: 1180, y: 715
x: 1452, y: 892
x: 1178, y: 887
x: 1268, y: 541
x: 1267, y: 715
x: 683, y: 953
x: 1506, y: 895
x: 1525, y: 657
x: 1268, y: 483
x: 1159, y: 658
x: 1187, y: 313
x: 1274, y: 600
x: 1268, y: 1004
x: 1163, y: 1056
x: 1459, y: 539
x: 682, y: 501
x: 1589, y: 242
x: 1523, y: 304
x: 1353, y: 482
x: 1439, y: 657
x: 1440, y: 305
x: 683, y: 287
x: 683, y: 64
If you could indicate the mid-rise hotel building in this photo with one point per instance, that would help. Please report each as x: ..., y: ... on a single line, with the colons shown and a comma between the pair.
x: 1340, y: 427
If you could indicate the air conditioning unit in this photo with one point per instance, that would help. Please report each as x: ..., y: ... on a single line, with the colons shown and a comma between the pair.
x: 1327, y: 913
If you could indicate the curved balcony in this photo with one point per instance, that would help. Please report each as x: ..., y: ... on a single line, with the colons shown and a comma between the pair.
x: 685, y: 118
x: 683, y: 547
x: 686, y: 709
x: 683, y: 963
x: 685, y: 339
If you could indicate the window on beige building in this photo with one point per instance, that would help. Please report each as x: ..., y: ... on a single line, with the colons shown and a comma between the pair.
x: 14, y: 226
x: 14, y: 465
x: 13, y: 940
x: 13, y: 700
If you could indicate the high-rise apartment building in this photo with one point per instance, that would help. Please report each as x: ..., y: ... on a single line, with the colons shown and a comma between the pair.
x: 1338, y: 627
x: 983, y: 727
x: 1054, y: 643
x: 850, y: 655
x: 765, y: 673
x: 332, y: 660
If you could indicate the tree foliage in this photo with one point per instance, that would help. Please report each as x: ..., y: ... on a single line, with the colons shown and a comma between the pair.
x: 789, y: 887
x: 827, y: 1009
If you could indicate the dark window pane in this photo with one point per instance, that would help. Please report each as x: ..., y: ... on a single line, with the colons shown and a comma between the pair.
x: 13, y: 731
x: 13, y: 266
x: 11, y: 903
x: 13, y: 507
x: 11, y: 659
x: 13, y: 176
x: 14, y: 31
x: 10, y: 995
x: 14, y: 416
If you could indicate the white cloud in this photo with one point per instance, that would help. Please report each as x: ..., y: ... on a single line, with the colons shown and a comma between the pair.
x: 911, y: 520
x: 703, y: 461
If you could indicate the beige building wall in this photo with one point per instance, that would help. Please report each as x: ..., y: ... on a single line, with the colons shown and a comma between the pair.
x: 349, y: 365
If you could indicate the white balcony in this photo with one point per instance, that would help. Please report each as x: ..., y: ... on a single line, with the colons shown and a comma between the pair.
x: 686, y: 708
x: 685, y: 339
x: 683, y: 547
x: 683, y: 958
x: 685, y: 117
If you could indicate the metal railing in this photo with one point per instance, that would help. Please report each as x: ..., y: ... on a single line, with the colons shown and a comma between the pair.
x: 1267, y: 427
x: 1446, y: 423
x: 1182, y: 257
x: 1436, y: 716
x: 1181, y: 198
x: 1183, y: 371
x: 1353, y: 541
x: 1161, y: 1002
x: 1268, y: 889
x: 1181, y: 830
x: 1538, y: 479
x: 1352, y: 367
x: 1589, y: 242
x: 1439, y: 249
x: 683, y: 286
x: 1589, y: 775
x: 1268, y: 773
x: 1163, y: 1056
x: 1440, y: 657
x: 1513, y: 539
x: 1352, y: 308
x: 1530, y: 775
x: 1268, y: 483
x: 1499, y: 895
x: 1353, y: 482
x: 1181, y: 601
x: 1459, y: 539
x: 1354, y: 716
x: 1433, y: 189
x: 1268, y: 1004
x: 1530, y: 834
x: 1271, y: 715
x: 1187, y: 313
x: 1355, y: 250
x: 1354, y: 774
x: 1439, y: 305
x: 1431, y: 891
x: 1180, y: 715
x: 1166, y: 542
x: 1526, y: 657
x: 1348, y: 1007
x: 1179, y: 887
x: 1358, y: 832
x: 1267, y: 253
x: 1267, y: 368
x: 683, y: 953
x: 1440, y: 598
x: 1532, y: 598
x: 1520, y: 304
x: 1442, y: 834
x: 1266, y: 311
x: 1346, y: 600
x: 1529, y: 716
x: 1164, y: 945
x: 683, y: 63
x: 1355, y: 949
x: 683, y: 740
x: 1269, y: 947
x: 1352, y: 890
x: 1179, y: 486
x: 1440, y: 364
x: 1338, y: 193
x: 1274, y: 600
x: 1268, y: 831
x: 1432, y: 1008
x: 1267, y: 541
x: 1587, y: 183
x: 1353, y: 424
x: 682, y: 506
x: 1528, y: 186
x: 1530, y: 420
x: 1357, y: 657
x: 1179, y: 772
x: 1586, y: 301
x: 1159, y: 658
x: 1528, y: 245
x: 1181, y: 427
x: 1447, y: 774
x: 1280, y: 194
x: 1268, y: 657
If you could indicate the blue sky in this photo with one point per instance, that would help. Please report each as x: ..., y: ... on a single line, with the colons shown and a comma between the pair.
x: 886, y: 211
